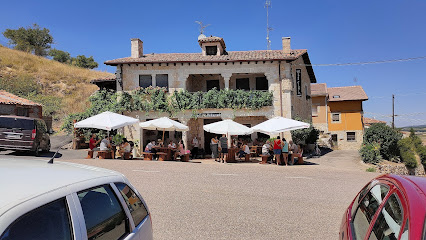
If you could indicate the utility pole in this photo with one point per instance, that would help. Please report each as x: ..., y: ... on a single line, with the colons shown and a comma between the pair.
x: 393, y: 111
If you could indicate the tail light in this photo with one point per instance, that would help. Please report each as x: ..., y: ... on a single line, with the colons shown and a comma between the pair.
x: 33, y: 134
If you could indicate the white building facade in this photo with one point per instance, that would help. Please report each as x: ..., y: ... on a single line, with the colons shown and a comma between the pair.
x: 286, y: 73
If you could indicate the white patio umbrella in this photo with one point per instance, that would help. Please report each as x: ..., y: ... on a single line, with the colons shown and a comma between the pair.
x: 277, y: 125
x: 165, y: 124
x: 106, y: 121
x: 228, y: 127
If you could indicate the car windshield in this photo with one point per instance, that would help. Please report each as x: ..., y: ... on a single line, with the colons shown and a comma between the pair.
x: 24, y: 124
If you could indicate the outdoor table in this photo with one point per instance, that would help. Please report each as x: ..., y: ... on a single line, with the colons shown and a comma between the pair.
x: 166, y: 150
x: 231, y: 155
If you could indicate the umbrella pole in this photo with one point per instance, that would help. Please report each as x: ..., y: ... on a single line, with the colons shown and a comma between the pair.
x: 164, y: 130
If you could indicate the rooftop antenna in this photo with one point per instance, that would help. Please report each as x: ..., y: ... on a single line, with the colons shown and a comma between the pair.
x: 202, y: 26
x: 268, y: 29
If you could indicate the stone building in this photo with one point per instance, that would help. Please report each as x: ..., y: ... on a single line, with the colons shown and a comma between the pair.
x: 11, y: 104
x: 337, y: 112
x: 286, y: 73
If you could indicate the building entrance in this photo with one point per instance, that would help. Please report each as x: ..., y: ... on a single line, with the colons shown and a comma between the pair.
x: 208, y: 136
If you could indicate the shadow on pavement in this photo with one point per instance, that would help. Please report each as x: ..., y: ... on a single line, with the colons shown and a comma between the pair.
x: 30, y: 154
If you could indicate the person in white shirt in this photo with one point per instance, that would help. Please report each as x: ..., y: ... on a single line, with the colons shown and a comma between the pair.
x: 244, y: 150
x: 172, y: 144
x: 149, y: 146
x: 106, y: 145
x: 195, y: 145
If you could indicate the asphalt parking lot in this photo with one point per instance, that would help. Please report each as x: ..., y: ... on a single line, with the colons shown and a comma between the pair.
x: 209, y: 200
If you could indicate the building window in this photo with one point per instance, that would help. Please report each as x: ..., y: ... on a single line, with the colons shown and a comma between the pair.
x: 22, y: 112
x: 315, y: 110
x: 335, y: 117
x: 145, y: 81
x: 299, y: 82
x: 162, y: 80
x: 350, y: 136
x: 211, y: 50
x: 261, y: 83
x: 213, y: 84
x: 243, y: 83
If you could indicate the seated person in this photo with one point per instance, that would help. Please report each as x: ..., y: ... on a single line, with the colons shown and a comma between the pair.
x: 93, y: 142
x: 149, y: 146
x: 267, y: 149
x: 244, y: 150
x: 106, y: 145
x: 298, y: 152
x: 124, y: 148
x: 180, y: 150
x: 172, y: 145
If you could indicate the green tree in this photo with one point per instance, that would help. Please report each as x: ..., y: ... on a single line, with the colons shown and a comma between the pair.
x: 306, y: 135
x: 60, y: 56
x: 84, y: 62
x: 385, y: 136
x: 32, y: 39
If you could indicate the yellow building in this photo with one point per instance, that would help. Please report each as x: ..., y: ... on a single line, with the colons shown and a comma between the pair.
x: 337, y: 112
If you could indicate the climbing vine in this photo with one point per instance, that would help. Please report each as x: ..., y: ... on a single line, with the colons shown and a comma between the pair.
x: 157, y: 99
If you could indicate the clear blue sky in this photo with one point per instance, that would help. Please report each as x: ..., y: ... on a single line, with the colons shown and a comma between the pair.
x: 332, y: 31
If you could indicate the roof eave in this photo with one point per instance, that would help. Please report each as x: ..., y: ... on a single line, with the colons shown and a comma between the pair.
x: 209, y: 61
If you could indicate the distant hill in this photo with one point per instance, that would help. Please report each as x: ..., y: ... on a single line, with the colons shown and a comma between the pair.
x: 56, y: 83
x: 416, y: 126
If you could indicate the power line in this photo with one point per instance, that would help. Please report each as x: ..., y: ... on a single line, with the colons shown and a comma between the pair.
x: 365, y: 63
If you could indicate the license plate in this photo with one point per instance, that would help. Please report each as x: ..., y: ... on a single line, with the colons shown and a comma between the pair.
x: 13, y: 136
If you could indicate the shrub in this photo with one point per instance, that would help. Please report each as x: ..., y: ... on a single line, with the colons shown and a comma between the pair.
x: 118, y: 138
x: 371, y: 169
x: 306, y: 135
x: 387, y: 138
x: 370, y: 153
x: 422, y: 154
x: 407, y: 152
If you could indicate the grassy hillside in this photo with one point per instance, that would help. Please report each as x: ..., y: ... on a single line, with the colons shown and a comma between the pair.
x: 62, y: 88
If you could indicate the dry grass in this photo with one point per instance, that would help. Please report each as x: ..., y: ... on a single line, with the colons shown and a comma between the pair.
x: 70, y: 83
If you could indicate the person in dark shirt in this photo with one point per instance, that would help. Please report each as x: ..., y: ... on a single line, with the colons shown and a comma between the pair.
x: 224, y: 146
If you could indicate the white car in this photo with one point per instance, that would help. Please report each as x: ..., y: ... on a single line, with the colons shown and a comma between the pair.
x: 44, y: 201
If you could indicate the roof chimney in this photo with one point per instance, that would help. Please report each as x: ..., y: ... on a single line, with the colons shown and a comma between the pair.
x: 137, y: 48
x: 286, y: 44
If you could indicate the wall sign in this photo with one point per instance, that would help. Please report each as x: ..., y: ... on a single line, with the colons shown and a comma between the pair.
x: 299, y: 82
x: 208, y: 115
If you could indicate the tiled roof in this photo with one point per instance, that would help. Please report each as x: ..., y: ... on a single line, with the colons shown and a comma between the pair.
x: 9, y: 98
x: 371, y: 121
x: 233, y: 56
x: 336, y: 94
x: 318, y: 89
x: 212, y: 39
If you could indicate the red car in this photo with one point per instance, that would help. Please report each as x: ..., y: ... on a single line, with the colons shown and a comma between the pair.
x: 389, y: 207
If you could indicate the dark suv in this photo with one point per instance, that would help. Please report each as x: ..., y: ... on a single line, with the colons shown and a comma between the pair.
x: 23, y: 133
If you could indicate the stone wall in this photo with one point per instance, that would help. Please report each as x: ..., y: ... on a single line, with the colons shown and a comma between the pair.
x: 343, y: 144
x: 400, y: 169
x: 301, y: 104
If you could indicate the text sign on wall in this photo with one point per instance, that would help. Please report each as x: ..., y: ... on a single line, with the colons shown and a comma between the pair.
x: 208, y: 115
x: 299, y: 82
